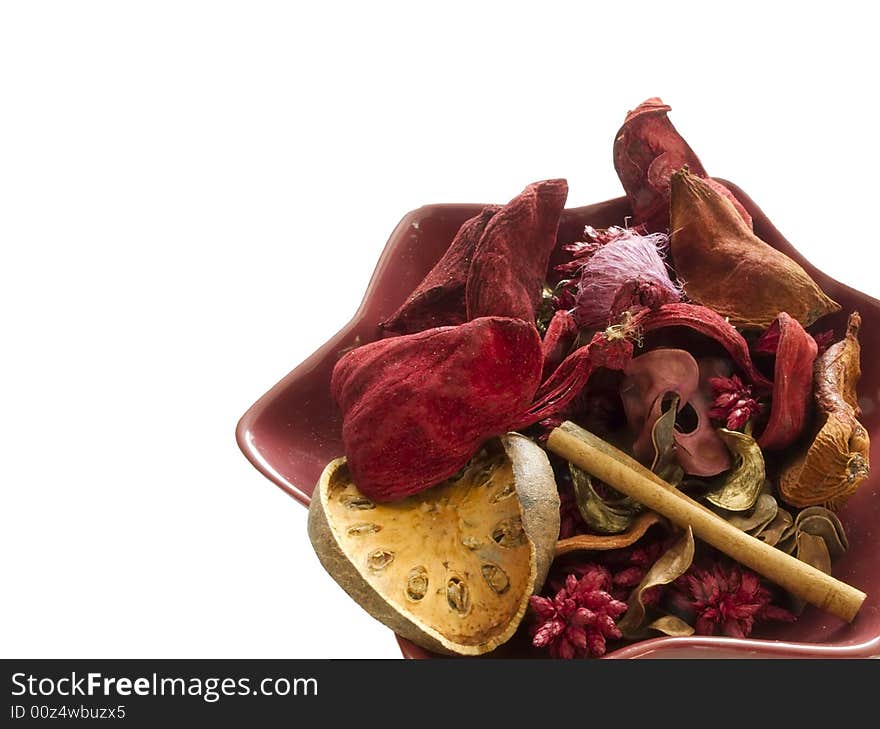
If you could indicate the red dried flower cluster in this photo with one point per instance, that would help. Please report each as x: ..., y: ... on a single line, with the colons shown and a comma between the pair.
x: 733, y: 403
x: 580, y: 618
x: 726, y: 599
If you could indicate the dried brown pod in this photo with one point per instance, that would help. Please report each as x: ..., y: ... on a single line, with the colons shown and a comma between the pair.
x: 837, y: 460
x: 450, y: 568
x: 726, y: 267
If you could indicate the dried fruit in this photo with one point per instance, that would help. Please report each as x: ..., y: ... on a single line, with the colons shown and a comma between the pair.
x: 647, y: 150
x: 415, y: 408
x: 837, y: 460
x: 439, y: 299
x: 506, y: 276
x: 792, y: 381
x: 434, y: 572
x: 726, y: 267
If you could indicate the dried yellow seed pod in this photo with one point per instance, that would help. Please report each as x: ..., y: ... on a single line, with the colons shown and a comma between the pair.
x: 452, y: 567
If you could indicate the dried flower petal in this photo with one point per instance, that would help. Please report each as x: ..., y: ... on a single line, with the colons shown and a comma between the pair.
x: 509, y: 264
x: 647, y: 150
x: 439, y: 299
x: 415, y: 408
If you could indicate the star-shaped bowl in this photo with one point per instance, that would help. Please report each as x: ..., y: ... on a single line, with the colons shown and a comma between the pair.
x: 293, y: 430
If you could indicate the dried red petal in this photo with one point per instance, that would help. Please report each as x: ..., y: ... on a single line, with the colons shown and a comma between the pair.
x: 705, y: 321
x: 509, y: 265
x: 647, y: 150
x: 415, y: 408
x: 558, y: 340
x: 439, y: 299
x: 792, y: 384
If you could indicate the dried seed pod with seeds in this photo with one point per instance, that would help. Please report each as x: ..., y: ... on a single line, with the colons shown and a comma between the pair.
x: 452, y: 567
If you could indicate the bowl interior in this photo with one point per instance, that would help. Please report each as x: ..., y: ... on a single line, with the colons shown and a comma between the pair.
x: 293, y: 430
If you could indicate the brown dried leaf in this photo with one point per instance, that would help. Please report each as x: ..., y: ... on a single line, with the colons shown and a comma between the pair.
x: 738, y: 489
x: 759, y: 516
x: 674, y: 563
x: 602, y: 516
x: 776, y: 530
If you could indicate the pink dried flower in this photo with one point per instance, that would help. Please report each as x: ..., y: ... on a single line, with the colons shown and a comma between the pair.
x: 733, y: 402
x: 580, y: 618
x: 726, y: 599
x: 611, y: 259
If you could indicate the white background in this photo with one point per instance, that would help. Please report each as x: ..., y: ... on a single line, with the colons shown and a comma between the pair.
x: 193, y: 197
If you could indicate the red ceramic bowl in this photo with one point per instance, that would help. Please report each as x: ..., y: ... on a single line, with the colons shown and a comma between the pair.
x: 293, y: 430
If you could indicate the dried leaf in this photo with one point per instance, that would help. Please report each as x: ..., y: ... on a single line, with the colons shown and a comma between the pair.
x: 777, y: 530
x: 822, y: 522
x: 726, y: 267
x: 758, y: 517
x: 600, y: 515
x: 674, y: 563
x: 739, y: 488
x: 671, y: 625
x: 665, y: 463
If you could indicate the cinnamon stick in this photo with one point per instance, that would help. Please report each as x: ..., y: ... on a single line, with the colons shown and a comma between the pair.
x: 620, y: 471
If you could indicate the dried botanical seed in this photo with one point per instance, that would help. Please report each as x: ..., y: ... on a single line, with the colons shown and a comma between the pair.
x: 356, y: 502
x: 458, y: 595
x: 509, y: 532
x: 504, y: 493
x: 496, y: 578
x: 379, y: 559
x: 359, y: 530
x: 417, y: 583
x: 471, y: 542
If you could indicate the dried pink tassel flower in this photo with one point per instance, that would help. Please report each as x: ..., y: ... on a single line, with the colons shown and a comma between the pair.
x: 614, y: 258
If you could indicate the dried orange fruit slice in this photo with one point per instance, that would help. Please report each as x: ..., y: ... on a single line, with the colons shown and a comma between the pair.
x: 452, y: 567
